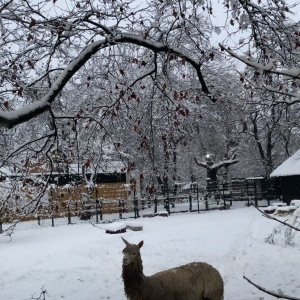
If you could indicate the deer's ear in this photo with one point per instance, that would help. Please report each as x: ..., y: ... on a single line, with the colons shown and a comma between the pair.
x: 125, y: 241
x: 140, y: 244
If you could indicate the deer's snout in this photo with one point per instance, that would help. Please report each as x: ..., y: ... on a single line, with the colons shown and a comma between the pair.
x: 126, y: 260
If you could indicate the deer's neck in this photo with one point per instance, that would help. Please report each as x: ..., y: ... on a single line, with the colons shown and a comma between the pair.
x: 133, y: 278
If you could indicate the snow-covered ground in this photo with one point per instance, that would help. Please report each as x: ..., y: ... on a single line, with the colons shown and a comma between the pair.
x: 82, y: 262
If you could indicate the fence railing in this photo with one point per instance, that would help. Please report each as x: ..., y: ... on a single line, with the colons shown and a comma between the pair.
x: 214, y: 198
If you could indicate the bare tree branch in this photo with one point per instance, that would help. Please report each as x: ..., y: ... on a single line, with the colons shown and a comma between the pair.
x: 275, y: 219
x: 276, y: 295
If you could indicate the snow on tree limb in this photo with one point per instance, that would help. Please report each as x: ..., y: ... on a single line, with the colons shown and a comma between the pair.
x: 217, y: 165
x: 267, y: 68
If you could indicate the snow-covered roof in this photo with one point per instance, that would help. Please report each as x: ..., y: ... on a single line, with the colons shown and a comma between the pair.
x: 289, y: 167
x: 112, y: 166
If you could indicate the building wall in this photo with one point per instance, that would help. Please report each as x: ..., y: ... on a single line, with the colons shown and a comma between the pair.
x: 289, y: 188
x: 81, y: 197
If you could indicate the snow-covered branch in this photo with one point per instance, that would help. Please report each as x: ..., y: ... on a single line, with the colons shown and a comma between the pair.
x: 10, y: 119
x: 218, y: 165
x: 264, y: 68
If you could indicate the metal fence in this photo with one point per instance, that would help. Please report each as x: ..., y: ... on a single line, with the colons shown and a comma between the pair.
x: 216, y: 197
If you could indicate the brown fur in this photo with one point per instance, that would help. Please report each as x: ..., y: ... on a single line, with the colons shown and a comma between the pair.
x: 194, y: 281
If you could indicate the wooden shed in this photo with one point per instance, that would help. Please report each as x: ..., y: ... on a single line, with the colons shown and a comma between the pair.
x: 73, y: 188
x: 287, y: 178
x: 80, y: 188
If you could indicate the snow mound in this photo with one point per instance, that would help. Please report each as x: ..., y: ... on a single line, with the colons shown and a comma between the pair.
x: 117, y: 227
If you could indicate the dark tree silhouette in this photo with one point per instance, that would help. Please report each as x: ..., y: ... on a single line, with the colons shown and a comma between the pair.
x: 213, y: 168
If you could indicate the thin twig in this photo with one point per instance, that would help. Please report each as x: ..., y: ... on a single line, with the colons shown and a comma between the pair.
x: 42, y: 295
x: 275, y: 219
x: 279, y: 296
x: 96, y: 226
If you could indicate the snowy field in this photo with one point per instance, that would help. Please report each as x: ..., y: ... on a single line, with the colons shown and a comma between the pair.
x: 82, y: 262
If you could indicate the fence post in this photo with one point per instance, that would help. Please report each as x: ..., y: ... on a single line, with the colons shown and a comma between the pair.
x: 69, y: 215
x: 120, y: 210
x: 155, y: 205
x: 198, y: 198
x: 52, y: 207
x: 135, y: 205
x: 97, y: 210
x: 1, y: 230
x: 175, y: 195
x: 206, y: 201
x: 255, y: 193
x: 52, y: 215
x: 100, y: 210
x: 168, y: 201
x: 143, y: 203
x: 190, y: 201
x: 173, y: 202
x: 223, y: 188
x: 135, y: 208
x: 123, y: 206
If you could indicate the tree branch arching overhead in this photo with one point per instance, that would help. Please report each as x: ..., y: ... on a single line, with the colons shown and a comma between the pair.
x: 63, y: 30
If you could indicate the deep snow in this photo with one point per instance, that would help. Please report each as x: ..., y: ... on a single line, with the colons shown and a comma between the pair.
x: 82, y: 262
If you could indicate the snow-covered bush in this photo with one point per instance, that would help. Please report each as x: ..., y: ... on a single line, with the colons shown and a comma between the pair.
x: 283, y: 232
